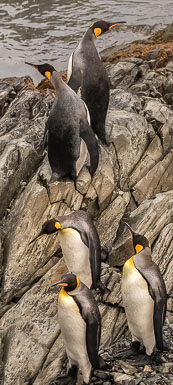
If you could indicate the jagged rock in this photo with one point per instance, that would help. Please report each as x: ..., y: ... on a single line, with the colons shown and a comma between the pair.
x: 158, y: 179
x: 105, y: 177
x: 110, y: 218
x: 21, y: 130
x: 148, y: 219
x: 124, y: 100
x: 31, y: 327
x: 155, y: 109
x: 129, y: 134
x: 18, y: 162
x: 123, y: 73
x: 149, y: 159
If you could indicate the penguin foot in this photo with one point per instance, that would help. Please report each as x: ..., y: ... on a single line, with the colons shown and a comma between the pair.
x: 128, y: 352
x: 70, y: 378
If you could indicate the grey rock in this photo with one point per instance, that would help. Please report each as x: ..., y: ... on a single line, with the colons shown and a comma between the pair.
x: 123, y: 73
x: 129, y: 134
x: 150, y: 158
x: 155, y: 109
x: 158, y: 179
x: 110, y: 218
x: 124, y: 100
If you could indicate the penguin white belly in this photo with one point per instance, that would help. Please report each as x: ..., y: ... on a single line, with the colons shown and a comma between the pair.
x: 76, y: 255
x: 73, y: 329
x: 139, y: 306
x: 82, y: 157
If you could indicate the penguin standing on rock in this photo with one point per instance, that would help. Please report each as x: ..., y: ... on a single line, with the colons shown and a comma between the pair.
x: 80, y: 245
x: 145, y: 299
x: 87, y: 73
x: 67, y: 132
x: 80, y: 324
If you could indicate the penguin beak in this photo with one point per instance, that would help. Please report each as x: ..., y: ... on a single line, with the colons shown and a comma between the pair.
x: 113, y: 25
x: 33, y: 65
x: 37, y: 237
x: 130, y: 229
x: 60, y: 283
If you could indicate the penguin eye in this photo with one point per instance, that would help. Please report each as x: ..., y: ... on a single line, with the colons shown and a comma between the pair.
x: 138, y: 248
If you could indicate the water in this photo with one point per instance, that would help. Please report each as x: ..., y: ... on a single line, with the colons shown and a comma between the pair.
x: 48, y: 31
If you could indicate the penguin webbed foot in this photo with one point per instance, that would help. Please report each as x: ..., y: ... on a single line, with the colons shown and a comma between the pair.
x: 128, y: 352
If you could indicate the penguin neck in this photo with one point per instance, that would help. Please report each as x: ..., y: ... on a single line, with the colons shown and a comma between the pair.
x: 89, y: 36
x: 143, y: 259
x: 57, y: 81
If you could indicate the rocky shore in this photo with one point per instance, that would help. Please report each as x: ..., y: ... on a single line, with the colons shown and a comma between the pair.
x: 133, y: 182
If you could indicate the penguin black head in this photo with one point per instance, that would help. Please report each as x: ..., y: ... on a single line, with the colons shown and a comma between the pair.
x: 49, y: 227
x: 68, y: 281
x: 139, y: 241
x: 101, y: 26
x: 45, y: 69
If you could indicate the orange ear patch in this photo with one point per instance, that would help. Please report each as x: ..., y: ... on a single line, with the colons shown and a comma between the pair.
x: 97, y: 31
x: 57, y: 225
x: 48, y: 75
x: 138, y: 248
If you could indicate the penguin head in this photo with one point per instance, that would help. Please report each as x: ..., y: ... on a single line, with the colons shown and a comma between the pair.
x: 139, y: 241
x: 45, y: 69
x: 68, y: 281
x: 101, y: 26
x: 49, y: 227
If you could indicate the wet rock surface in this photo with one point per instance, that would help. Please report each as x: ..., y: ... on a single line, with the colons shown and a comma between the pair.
x: 133, y: 183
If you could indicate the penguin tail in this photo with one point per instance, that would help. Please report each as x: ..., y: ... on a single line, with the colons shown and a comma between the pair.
x: 55, y: 176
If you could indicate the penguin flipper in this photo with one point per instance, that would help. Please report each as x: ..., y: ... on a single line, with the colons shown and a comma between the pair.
x: 87, y: 134
x: 90, y: 314
x: 157, y: 290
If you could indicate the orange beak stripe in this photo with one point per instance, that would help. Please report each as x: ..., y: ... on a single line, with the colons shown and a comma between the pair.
x: 43, y: 235
x: 62, y: 284
x: 112, y: 26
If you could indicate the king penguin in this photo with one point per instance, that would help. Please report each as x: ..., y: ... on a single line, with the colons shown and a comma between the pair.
x: 80, y: 245
x: 144, y: 298
x: 80, y: 324
x: 68, y: 134
x: 87, y: 73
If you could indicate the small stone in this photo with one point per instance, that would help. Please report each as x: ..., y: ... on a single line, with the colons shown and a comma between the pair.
x: 127, y: 368
x: 122, y: 379
x: 147, y: 368
x: 100, y: 374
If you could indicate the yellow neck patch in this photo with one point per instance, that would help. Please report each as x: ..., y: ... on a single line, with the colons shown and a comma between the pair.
x: 78, y: 281
x: 48, y: 75
x: 63, y: 293
x: 57, y: 225
x: 128, y: 266
x: 97, y: 31
x: 138, y: 248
